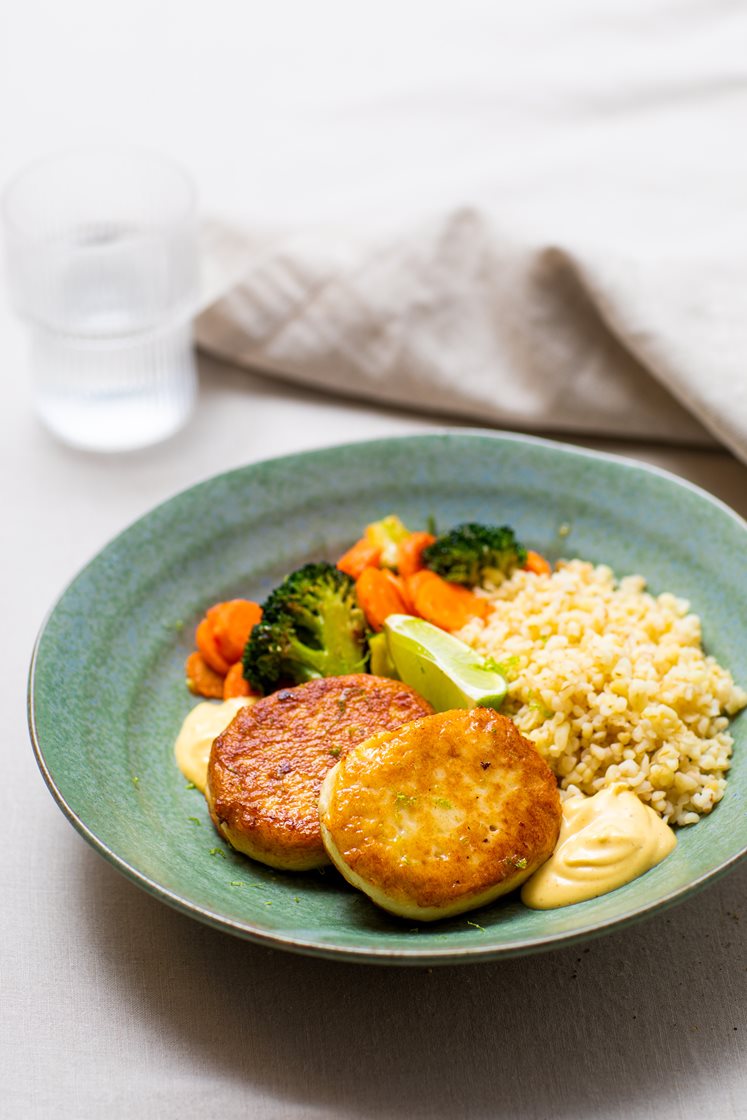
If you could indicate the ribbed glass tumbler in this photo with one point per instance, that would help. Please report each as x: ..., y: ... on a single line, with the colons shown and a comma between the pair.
x: 102, y: 263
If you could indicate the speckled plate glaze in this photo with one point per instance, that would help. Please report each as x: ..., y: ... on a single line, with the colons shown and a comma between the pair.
x: 107, y: 695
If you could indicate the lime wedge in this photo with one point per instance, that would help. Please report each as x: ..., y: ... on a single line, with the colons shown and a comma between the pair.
x: 441, y: 668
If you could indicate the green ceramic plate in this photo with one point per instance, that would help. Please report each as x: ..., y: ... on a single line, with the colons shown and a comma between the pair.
x: 107, y: 691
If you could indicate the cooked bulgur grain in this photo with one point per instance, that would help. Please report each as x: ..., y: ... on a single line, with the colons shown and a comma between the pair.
x: 612, y: 684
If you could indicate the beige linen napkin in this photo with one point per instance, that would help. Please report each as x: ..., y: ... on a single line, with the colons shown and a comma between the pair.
x: 546, y: 228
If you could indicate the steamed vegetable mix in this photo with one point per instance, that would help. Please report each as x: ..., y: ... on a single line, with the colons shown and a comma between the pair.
x: 201, y: 679
x: 312, y: 626
x: 387, y: 535
x: 471, y: 554
x: 221, y: 636
x: 232, y: 623
x: 447, y: 605
x: 328, y: 620
x: 362, y: 555
x: 410, y: 553
x: 235, y: 683
x: 380, y: 593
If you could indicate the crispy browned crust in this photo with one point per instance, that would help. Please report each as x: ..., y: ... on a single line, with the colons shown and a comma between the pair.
x: 266, y: 768
x: 442, y: 811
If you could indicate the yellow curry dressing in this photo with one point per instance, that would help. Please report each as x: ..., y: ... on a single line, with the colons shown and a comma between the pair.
x: 203, y: 724
x: 605, y: 841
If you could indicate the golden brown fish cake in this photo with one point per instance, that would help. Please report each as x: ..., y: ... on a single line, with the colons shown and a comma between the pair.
x: 266, y: 768
x: 442, y: 815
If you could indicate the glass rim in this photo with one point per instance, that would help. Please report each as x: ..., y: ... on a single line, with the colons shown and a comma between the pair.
x: 91, y: 151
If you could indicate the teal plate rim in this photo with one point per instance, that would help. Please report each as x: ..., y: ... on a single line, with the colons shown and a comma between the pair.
x: 370, y: 954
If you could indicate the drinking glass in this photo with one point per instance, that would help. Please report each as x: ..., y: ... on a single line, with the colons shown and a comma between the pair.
x: 101, y: 250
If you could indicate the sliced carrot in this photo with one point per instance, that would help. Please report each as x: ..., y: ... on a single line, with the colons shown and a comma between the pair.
x: 234, y: 684
x: 404, y: 590
x: 201, y: 679
x: 410, y: 553
x: 416, y: 581
x: 445, y: 604
x: 537, y: 564
x: 208, y: 647
x: 362, y: 555
x: 232, y: 622
x: 379, y: 596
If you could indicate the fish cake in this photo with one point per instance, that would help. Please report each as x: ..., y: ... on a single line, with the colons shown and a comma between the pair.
x: 266, y: 768
x: 442, y: 815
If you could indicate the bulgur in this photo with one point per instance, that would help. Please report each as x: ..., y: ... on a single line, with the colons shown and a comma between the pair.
x: 612, y: 684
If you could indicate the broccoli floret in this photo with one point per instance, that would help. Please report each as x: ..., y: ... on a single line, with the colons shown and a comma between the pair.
x: 312, y: 626
x: 473, y: 553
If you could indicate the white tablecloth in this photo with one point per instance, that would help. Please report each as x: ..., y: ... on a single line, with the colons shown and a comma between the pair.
x: 113, y: 1005
x: 110, y: 1003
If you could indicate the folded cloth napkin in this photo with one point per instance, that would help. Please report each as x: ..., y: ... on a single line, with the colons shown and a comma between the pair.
x: 536, y: 220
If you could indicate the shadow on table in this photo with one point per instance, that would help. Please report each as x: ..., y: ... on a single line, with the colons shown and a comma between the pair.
x: 640, y: 1016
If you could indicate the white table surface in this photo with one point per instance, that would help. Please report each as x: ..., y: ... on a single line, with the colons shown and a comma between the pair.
x: 112, y: 1004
